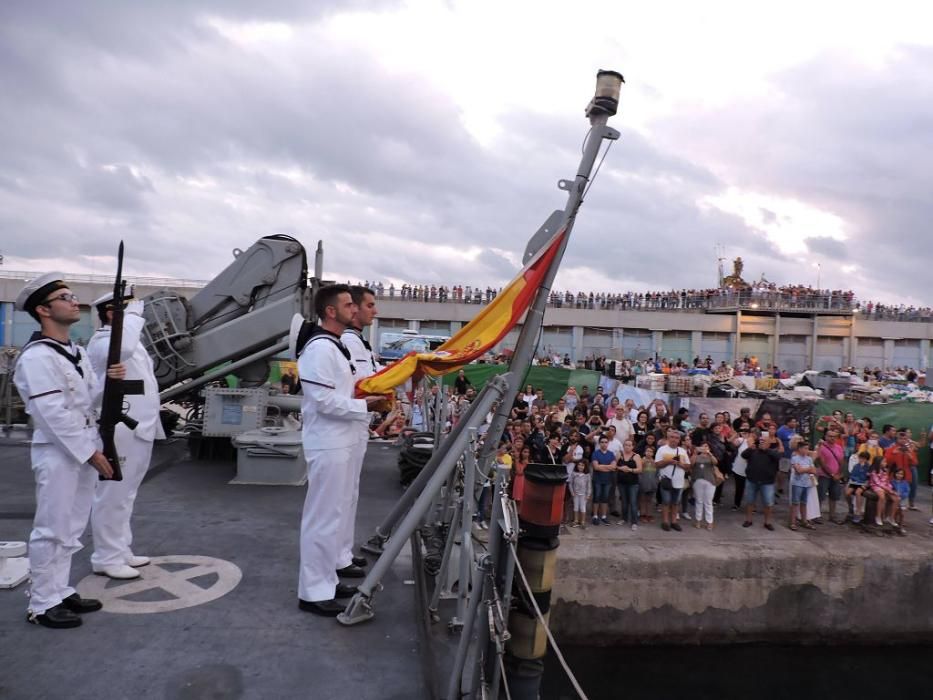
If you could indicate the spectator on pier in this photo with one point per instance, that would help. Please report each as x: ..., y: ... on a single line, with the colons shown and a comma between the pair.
x: 648, y: 485
x: 903, y: 455
x: 581, y: 488
x: 830, y: 472
x: 603, y: 463
x: 629, y: 467
x: 858, y: 483
x: 803, y: 472
x: 673, y: 463
x: 704, y: 477
x: 888, y: 501
x: 762, y: 458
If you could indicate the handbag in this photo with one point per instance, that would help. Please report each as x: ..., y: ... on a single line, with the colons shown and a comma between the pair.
x: 718, y: 475
x: 667, y: 482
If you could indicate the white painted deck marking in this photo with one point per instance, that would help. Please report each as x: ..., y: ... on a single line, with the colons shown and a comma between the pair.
x: 177, y: 584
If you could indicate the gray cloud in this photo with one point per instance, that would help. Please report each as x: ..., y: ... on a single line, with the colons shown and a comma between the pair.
x: 139, y: 121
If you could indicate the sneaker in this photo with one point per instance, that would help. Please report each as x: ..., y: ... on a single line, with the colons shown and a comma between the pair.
x: 484, y: 525
x: 913, y: 507
x: 878, y: 522
x: 856, y: 520
x: 931, y: 521
x: 596, y: 521
x: 735, y: 508
x: 634, y: 527
x: 676, y: 526
x: 605, y: 520
x: 686, y: 516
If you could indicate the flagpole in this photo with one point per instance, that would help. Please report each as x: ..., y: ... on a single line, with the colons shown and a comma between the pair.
x: 604, y: 104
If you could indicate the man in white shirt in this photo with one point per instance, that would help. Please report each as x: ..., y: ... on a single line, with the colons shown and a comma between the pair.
x: 673, y: 462
x: 62, y: 395
x: 361, y: 354
x: 330, y: 433
x: 113, y: 500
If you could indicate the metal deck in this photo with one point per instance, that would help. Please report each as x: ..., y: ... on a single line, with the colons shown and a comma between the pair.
x: 252, y: 642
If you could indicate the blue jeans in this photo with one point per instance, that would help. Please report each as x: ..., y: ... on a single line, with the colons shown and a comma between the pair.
x: 798, y: 495
x: 914, y: 478
x: 480, y: 514
x: 630, y: 495
x: 753, y: 488
x: 601, y: 490
x: 670, y: 497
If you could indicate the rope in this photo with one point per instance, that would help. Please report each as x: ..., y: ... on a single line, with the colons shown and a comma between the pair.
x: 547, y: 631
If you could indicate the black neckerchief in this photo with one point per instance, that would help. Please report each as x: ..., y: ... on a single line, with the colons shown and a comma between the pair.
x: 59, y: 347
x: 359, y: 334
x: 317, y: 333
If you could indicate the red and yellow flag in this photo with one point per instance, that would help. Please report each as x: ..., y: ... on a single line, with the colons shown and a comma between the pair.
x: 477, y: 337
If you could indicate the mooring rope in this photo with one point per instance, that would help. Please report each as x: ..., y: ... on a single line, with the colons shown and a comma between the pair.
x: 547, y: 631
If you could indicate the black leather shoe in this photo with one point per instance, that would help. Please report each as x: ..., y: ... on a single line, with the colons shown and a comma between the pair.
x: 324, y: 608
x: 77, y: 604
x: 344, y: 591
x: 359, y: 561
x: 352, y: 571
x: 58, y: 617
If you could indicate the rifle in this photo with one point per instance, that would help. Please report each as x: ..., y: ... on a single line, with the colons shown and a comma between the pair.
x: 111, y: 410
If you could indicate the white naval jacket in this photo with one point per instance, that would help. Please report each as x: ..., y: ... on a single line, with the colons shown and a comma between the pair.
x: 362, y: 357
x: 330, y: 415
x: 63, y: 403
x: 143, y: 408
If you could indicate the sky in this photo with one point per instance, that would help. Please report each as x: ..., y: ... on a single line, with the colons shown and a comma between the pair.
x: 422, y: 141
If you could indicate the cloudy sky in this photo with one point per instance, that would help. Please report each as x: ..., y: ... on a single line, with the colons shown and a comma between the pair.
x: 422, y: 141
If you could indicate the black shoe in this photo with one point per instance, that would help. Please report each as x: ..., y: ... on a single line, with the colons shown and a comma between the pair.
x: 359, y: 561
x: 676, y: 527
x: 58, y: 617
x: 352, y: 571
x: 77, y: 604
x: 324, y: 608
x: 344, y: 591
x: 665, y: 527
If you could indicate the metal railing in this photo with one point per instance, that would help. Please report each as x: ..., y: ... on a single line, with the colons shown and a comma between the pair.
x: 105, y: 279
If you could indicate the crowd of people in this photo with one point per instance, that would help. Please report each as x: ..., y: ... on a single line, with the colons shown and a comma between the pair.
x: 628, y: 465
x: 764, y: 295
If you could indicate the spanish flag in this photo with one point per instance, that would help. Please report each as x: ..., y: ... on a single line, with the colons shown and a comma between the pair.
x: 477, y: 337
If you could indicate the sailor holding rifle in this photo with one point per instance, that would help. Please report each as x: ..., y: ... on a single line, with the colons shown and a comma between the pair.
x: 361, y: 354
x: 331, y: 420
x: 113, y: 500
x: 55, y: 379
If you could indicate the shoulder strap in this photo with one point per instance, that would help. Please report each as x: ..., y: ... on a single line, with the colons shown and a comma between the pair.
x: 324, y: 335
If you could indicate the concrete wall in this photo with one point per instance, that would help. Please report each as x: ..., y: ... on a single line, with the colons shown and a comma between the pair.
x: 848, y: 589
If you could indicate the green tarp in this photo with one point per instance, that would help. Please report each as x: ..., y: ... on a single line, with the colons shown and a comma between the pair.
x: 553, y: 380
x: 916, y: 416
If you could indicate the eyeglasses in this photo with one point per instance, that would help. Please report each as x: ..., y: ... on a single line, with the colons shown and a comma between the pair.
x: 69, y: 298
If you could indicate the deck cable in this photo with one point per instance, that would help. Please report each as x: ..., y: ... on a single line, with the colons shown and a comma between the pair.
x: 547, y: 631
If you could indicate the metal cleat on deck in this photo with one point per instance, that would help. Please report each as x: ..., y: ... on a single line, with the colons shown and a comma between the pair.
x: 14, y: 566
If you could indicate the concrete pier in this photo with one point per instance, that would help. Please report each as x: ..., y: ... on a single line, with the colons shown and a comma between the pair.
x: 835, y: 584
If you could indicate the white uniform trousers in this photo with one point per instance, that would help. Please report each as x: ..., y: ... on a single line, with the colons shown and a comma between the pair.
x: 325, y: 503
x: 113, y: 502
x: 64, y: 493
x: 348, y: 524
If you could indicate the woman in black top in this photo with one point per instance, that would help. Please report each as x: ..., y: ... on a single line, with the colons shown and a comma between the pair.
x: 629, y: 467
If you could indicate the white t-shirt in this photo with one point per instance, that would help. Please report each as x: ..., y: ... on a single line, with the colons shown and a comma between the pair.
x: 676, y: 474
x: 739, y: 464
x: 623, y: 426
x: 615, y: 447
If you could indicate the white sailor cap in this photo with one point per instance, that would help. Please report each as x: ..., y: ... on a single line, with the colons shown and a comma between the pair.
x: 38, y: 289
x: 107, y: 299
x: 298, y: 334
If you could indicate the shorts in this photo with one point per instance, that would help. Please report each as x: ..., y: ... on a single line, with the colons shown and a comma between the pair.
x: 784, y: 465
x: 579, y: 504
x: 601, y: 491
x: 856, y: 487
x: 798, y: 495
x: 753, y: 488
x: 670, y: 497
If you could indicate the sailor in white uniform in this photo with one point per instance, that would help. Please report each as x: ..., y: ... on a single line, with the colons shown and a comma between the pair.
x: 361, y: 354
x: 330, y: 431
x: 113, y: 500
x: 54, y: 377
